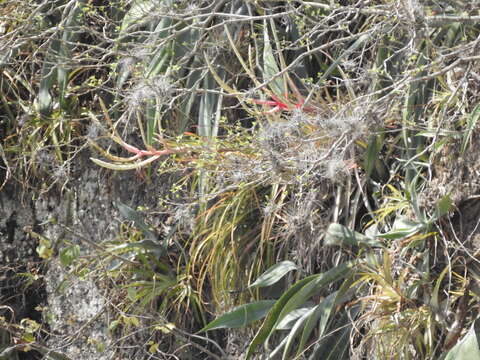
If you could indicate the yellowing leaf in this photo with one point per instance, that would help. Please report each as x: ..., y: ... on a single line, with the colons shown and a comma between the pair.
x: 166, y: 329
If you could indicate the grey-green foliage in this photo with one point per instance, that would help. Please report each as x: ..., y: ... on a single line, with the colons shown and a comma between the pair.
x: 468, y: 348
x: 147, y: 60
x: 56, y: 67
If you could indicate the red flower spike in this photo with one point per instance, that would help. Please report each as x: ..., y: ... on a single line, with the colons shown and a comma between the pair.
x: 278, y: 105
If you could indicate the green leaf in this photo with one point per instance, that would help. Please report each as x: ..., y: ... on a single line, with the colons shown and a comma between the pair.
x: 336, y: 345
x: 116, y: 262
x: 403, y: 227
x: 53, y: 68
x: 468, y: 347
x: 241, y: 316
x: 323, y: 312
x: 271, y: 319
x: 371, y: 161
x: 49, y: 73
x: 6, y: 55
x: 208, y: 107
x: 296, y: 329
x: 436, y: 133
x: 139, y: 10
x: 160, y: 60
x: 148, y: 245
x: 310, y: 289
x: 361, y: 39
x: 270, y: 67
x: 193, y: 82
x: 290, y: 320
x: 471, y: 125
x: 297, y: 295
x: 138, y: 220
x: 44, y: 248
x: 340, y: 235
x: 444, y: 205
x: 69, y: 254
x: 69, y: 37
x: 275, y: 273
x: 434, y: 302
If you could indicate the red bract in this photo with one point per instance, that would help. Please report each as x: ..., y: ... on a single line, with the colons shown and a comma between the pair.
x: 279, y: 105
x: 152, y: 152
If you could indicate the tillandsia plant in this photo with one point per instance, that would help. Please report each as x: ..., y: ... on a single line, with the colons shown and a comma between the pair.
x: 319, y: 150
x: 396, y: 293
x: 255, y: 185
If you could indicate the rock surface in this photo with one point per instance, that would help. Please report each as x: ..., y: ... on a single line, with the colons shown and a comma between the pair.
x: 80, y: 211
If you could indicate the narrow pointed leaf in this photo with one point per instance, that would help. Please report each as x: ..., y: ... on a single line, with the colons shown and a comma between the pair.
x: 241, y: 316
x: 362, y: 39
x: 469, y: 347
x: 69, y: 38
x: 139, y: 10
x: 49, y: 74
x: 371, y: 161
x: 298, y: 294
x: 471, y: 125
x: 323, y: 312
x: 270, y: 67
x: 338, y: 234
x: 275, y: 273
x: 137, y: 218
x: 296, y: 329
x: 271, y: 319
x: 290, y: 320
x: 336, y: 345
x: 312, y: 288
x: 402, y: 227
x: 125, y: 167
